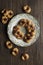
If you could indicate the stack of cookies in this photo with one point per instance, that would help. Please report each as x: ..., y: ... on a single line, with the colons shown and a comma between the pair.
x: 29, y: 27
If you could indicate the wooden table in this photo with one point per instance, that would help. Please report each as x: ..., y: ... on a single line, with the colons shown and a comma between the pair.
x: 36, y: 50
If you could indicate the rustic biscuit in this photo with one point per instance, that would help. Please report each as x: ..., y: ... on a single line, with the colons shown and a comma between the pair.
x: 4, y: 19
x: 15, y: 51
x: 19, y: 34
x: 27, y: 9
x: 15, y: 28
x: 22, y: 22
x: 9, y: 45
x: 25, y: 56
x: 9, y: 14
x: 27, y: 38
x: 31, y: 27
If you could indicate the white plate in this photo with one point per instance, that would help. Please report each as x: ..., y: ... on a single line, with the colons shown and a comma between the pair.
x: 14, y: 22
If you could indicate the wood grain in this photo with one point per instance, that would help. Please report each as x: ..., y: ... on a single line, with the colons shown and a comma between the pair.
x: 36, y: 50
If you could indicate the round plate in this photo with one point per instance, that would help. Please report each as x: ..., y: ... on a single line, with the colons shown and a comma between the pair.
x: 14, y: 22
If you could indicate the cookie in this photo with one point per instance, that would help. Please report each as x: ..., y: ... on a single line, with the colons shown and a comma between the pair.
x: 25, y: 56
x: 27, y: 38
x: 27, y: 9
x: 19, y: 34
x: 9, y: 14
x: 15, y: 28
x: 9, y: 45
x: 15, y: 51
x: 22, y: 22
x: 4, y: 19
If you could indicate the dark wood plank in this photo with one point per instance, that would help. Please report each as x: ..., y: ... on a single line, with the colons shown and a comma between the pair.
x: 35, y: 51
x: 41, y: 47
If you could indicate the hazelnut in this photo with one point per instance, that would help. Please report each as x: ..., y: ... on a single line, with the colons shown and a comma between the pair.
x: 9, y: 45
